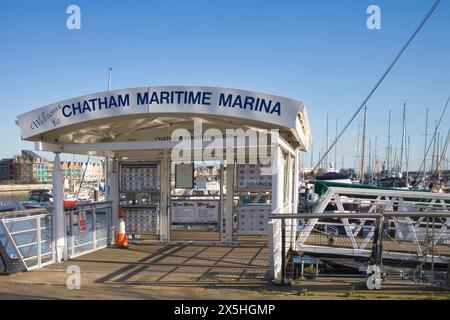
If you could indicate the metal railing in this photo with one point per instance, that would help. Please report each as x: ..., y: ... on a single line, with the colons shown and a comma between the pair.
x: 28, y: 236
x: 408, y: 230
x: 88, y: 227
x: 281, y: 235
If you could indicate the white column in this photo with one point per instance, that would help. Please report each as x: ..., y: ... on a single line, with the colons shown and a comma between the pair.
x: 296, y: 180
x: 295, y: 197
x: 58, y: 209
x: 107, y: 177
x: 164, y: 221
x: 277, y: 202
x: 228, y: 208
x: 288, y: 177
x: 290, y: 181
x: 114, y: 197
x: 277, y: 174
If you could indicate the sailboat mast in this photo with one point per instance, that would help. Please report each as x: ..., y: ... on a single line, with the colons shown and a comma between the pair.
x: 388, y: 165
x: 425, y: 147
x: 375, y: 156
x: 109, y: 78
x: 402, y: 146
x: 407, y: 161
x: 434, y: 148
x: 437, y: 150
x: 443, y: 152
x: 370, y: 169
x: 357, y: 150
x: 361, y: 176
x: 321, y: 163
x: 335, y: 146
x: 326, y: 146
x: 395, y: 155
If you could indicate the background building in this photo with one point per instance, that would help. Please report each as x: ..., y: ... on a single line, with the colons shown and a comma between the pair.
x: 30, y: 167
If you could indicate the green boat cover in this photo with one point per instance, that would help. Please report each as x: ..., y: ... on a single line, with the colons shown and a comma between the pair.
x: 321, y: 186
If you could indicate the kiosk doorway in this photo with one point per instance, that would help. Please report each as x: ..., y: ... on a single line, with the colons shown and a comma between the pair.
x: 140, y: 199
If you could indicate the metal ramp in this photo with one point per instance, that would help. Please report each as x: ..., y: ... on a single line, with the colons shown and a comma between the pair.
x: 416, y: 224
x: 397, y: 226
x: 7, y: 264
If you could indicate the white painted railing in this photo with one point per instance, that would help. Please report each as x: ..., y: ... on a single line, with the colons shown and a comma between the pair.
x: 406, y: 211
x: 28, y: 236
x: 282, y: 235
x: 88, y: 228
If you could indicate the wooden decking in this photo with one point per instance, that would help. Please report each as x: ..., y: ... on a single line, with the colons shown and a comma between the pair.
x: 173, y: 264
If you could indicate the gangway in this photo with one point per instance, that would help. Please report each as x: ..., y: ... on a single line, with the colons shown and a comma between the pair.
x: 405, y: 211
x: 414, y: 227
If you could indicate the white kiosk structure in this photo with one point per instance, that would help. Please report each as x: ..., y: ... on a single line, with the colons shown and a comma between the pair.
x: 218, y: 194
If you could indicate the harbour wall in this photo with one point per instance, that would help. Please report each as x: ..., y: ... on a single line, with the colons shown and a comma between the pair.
x: 23, y: 187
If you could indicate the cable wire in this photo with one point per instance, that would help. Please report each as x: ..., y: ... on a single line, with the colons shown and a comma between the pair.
x: 380, y: 80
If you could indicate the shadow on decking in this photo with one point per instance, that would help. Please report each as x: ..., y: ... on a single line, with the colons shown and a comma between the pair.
x: 181, y: 265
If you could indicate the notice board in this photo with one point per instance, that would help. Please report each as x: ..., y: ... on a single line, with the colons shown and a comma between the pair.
x: 184, y: 176
x: 195, y: 211
x: 253, y: 219
x: 254, y: 177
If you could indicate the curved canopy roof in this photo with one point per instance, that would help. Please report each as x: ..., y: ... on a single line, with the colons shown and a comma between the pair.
x: 152, y: 113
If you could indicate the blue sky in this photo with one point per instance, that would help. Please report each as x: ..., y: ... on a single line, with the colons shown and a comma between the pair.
x: 320, y: 52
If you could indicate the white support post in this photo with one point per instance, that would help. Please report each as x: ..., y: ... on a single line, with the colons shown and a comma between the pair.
x: 58, y: 209
x: 277, y: 174
x: 274, y: 228
x: 290, y: 181
x: 288, y: 207
x: 295, y: 197
x: 296, y: 182
x: 114, y: 198
x: 274, y: 231
x: 164, y: 221
x: 39, y: 240
x: 221, y: 218
x: 107, y: 177
x: 228, y: 208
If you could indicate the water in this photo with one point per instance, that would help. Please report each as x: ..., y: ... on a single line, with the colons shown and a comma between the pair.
x: 13, y: 196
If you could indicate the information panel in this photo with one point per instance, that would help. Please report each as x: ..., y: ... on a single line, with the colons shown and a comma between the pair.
x: 253, y: 219
x: 141, y: 220
x: 139, y: 177
x: 184, y: 175
x: 254, y: 177
x: 195, y: 211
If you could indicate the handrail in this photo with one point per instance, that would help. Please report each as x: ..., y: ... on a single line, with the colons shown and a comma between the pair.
x: 86, y: 204
x: 24, y: 212
x: 390, y: 193
x: 50, y: 209
x: 359, y: 215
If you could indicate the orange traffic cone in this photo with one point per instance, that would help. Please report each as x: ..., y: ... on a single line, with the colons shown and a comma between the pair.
x: 121, y: 239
